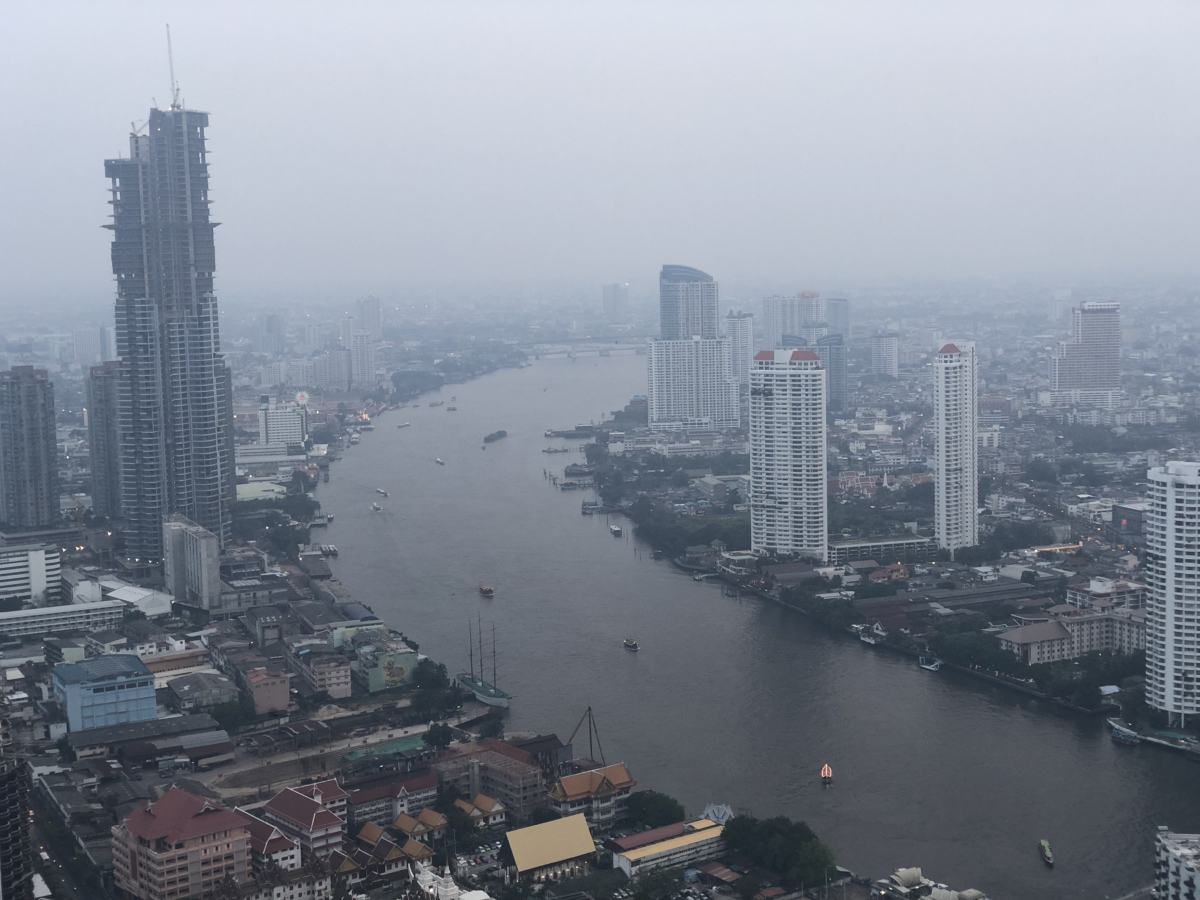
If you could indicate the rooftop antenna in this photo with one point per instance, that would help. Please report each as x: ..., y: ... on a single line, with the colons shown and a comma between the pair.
x: 171, y: 65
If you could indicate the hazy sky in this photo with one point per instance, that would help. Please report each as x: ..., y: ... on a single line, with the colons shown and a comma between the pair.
x: 374, y: 146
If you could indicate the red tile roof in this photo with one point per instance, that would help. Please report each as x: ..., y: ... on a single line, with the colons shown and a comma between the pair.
x: 949, y: 348
x: 302, y: 811
x: 654, y: 835
x: 805, y: 355
x: 265, y: 838
x: 180, y: 815
x: 420, y: 782
x: 329, y: 790
x: 764, y: 356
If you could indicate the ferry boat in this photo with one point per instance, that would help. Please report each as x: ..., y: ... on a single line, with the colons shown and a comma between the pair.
x: 439, y: 461
x: 872, y: 635
x: 1047, y: 853
x: 381, y: 492
x: 486, y: 590
x: 631, y: 644
x: 826, y: 774
x: 615, y: 530
x: 1123, y: 734
x: 930, y: 663
x: 375, y: 507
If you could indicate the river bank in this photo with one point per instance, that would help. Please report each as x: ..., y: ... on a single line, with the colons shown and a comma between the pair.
x: 730, y: 699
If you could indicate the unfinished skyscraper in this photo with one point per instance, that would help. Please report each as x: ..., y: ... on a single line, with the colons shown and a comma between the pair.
x: 175, y: 393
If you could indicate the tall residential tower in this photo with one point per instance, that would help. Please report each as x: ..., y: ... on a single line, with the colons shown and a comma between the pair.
x: 1172, y: 522
x: 28, y: 449
x: 175, y: 391
x: 788, y: 490
x: 687, y: 304
x: 956, y: 422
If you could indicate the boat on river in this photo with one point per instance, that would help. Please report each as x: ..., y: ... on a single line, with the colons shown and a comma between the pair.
x: 872, y: 635
x: 632, y: 645
x: 437, y: 402
x: 930, y: 663
x: 1123, y: 734
x: 375, y: 507
x: 1047, y: 853
x: 403, y: 424
x: 615, y: 530
x: 484, y: 691
x: 439, y: 461
x: 826, y: 774
x: 486, y: 590
x: 495, y: 436
x: 381, y: 492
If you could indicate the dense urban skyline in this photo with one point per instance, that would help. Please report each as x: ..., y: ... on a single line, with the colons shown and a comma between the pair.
x: 1016, y: 165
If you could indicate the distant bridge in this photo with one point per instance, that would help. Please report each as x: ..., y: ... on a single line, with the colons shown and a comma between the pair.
x: 584, y: 348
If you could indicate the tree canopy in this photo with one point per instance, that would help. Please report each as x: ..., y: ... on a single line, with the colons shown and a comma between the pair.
x: 653, y: 809
x: 783, y: 846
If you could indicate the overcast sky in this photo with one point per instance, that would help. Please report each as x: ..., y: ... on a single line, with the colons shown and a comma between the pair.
x: 380, y: 146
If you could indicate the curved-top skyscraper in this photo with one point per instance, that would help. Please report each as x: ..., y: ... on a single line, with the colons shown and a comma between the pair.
x: 687, y: 304
x: 174, y: 406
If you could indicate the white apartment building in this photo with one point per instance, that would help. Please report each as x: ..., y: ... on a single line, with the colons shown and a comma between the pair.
x: 783, y: 316
x: 739, y: 329
x: 95, y: 616
x: 788, y: 490
x: 1172, y: 563
x: 281, y: 422
x: 1176, y: 865
x: 30, y: 572
x: 362, y: 359
x: 191, y: 563
x: 690, y: 385
x: 956, y: 421
x: 1087, y: 368
x: 885, y: 355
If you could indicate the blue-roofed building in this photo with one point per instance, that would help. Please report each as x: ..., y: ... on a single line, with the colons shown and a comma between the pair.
x: 105, y: 690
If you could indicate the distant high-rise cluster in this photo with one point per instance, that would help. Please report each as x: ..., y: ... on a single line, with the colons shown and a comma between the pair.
x: 1172, y: 525
x: 795, y: 315
x: 28, y: 449
x: 1087, y: 368
x: 885, y: 354
x: 689, y: 376
x: 174, y: 393
x: 956, y: 424
x: 788, y: 478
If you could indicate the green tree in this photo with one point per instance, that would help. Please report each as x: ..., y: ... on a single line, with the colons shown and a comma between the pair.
x: 439, y: 735
x: 656, y: 885
x: 653, y: 809
x: 429, y: 674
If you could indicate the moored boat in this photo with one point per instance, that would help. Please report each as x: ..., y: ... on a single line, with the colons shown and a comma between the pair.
x: 873, y: 635
x: 930, y: 663
x: 1047, y: 853
x: 483, y: 691
x: 1123, y: 734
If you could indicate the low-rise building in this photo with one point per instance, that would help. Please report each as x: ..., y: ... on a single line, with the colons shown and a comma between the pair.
x: 1071, y: 632
x: 484, y: 811
x: 106, y: 690
x: 1105, y: 593
x: 30, y: 573
x: 672, y: 846
x: 179, y: 846
x: 551, y: 851
x: 325, y: 671
x: 302, y: 817
x: 383, y: 801
x: 499, y: 770
x: 94, y: 616
x: 599, y: 794
x: 201, y: 690
x: 428, y: 826
x: 270, y: 848
x: 268, y: 690
x: 381, y: 662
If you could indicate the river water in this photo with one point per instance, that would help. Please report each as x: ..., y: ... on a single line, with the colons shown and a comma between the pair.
x: 732, y: 700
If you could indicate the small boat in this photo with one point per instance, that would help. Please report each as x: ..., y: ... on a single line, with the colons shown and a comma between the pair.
x: 826, y: 774
x: 495, y: 436
x: 873, y: 635
x: 615, y: 530
x: 375, y: 507
x: 439, y: 461
x: 631, y: 644
x: 1047, y: 853
x: 381, y: 492
x: 404, y: 424
x: 930, y: 663
x: 451, y: 409
x: 657, y: 554
x: 329, y: 518
x: 1123, y: 734
x: 437, y: 402
x: 486, y: 590
x: 556, y: 449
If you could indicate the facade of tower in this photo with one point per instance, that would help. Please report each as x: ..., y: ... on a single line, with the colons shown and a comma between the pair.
x: 614, y: 301
x: 832, y: 352
x: 362, y: 360
x: 837, y: 316
x: 369, y: 314
x: 1172, y: 523
x: 690, y: 385
x: 175, y: 396
x: 956, y: 421
x: 16, y: 865
x: 687, y: 304
x: 739, y: 329
x: 885, y: 355
x: 1088, y: 366
x: 28, y: 449
x: 790, y: 315
x: 788, y: 478
x: 103, y: 438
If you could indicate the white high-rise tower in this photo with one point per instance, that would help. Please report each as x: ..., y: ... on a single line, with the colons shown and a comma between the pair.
x: 1173, y: 599
x: 956, y: 420
x: 739, y: 329
x: 788, y: 492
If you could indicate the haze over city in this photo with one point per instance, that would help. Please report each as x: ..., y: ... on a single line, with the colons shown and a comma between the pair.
x: 387, y: 147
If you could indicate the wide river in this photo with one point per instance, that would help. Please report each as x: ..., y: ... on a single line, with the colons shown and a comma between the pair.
x: 731, y: 700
